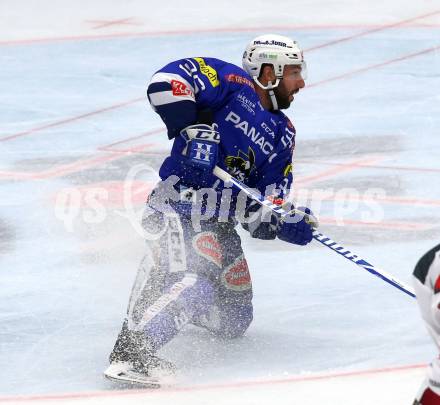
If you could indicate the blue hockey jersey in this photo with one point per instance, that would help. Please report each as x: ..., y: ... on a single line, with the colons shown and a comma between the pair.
x: 256, y: 144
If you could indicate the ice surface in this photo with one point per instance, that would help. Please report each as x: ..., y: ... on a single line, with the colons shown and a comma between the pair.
x: 74, y: 124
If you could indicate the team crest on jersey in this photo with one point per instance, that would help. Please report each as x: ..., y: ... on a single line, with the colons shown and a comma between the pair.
x: 180, y: 89
x: 207, y: 246
x: 241, y: 166
x: 236, y: 276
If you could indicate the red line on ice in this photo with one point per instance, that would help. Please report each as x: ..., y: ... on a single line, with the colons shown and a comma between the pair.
x: 108, y: 23
x: 196, y: 388
x: 69, y: 120
x: 342, y: 168
x: 377, y: 65
x: 74, y: 167
x: 403, y: 226
x: 109, y: 147
x: 380, y: 28
x: 372, y: 31
x: 226, y: 29
x: 371, y: 166
x: 344, y: 75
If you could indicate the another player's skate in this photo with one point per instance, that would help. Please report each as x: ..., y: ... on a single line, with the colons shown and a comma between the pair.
x: 132, y: 361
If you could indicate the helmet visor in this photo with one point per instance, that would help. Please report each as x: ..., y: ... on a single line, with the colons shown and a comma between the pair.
x: 297, y: 71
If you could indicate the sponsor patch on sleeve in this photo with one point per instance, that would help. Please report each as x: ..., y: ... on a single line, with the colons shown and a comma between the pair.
x: 180, y: 89
x: 236, y: 276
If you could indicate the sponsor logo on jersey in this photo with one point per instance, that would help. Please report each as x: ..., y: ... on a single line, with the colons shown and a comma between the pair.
x: 208, y: 71
x: 288, y: 138
x: 247, y: 104
x: 240, y: 80
x: 176, y: 245
x: 268, y: 130
x: 207, y: 246
x: 236, y: 276
x: 276, y: 200
x: 241, y: 166
x: 287, y: 170
x: 258, y: 139
x: 180, y: 89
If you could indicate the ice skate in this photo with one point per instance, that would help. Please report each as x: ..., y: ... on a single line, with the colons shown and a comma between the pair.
x: 154, y: 373
x: 132, y: 361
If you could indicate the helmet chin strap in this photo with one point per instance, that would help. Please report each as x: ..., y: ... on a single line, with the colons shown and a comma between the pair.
x: 273, y: 99
x: 270, y: 86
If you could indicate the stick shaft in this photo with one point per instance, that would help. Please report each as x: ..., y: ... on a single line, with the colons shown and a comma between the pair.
x: 318, y: 236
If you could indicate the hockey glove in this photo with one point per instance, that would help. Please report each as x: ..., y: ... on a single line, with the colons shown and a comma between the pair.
x: 201, y: 146
x: 297, y: 228
x: 200, y: 155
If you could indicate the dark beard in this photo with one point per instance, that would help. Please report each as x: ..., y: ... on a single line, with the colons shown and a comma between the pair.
x: 282, y: 98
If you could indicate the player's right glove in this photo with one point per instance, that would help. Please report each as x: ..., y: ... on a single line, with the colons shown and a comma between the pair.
x: 201, y: 145
x: 200, y: 155
x: 297, y: 228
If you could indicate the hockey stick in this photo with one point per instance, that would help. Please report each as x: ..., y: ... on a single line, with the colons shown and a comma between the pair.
x: 318, y: 236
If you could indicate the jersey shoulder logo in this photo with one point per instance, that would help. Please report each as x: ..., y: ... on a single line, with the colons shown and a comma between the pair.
x: 180, y: 89
x: 208, y: 71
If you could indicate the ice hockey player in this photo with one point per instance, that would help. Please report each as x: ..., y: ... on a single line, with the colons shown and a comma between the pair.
x: 216, y: 114
x: 426, y: 279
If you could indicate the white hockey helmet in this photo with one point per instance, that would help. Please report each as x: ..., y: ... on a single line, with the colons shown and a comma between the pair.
x: 275, y: 50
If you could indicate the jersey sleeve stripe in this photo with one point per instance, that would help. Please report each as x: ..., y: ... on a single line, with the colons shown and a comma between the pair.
x: 167, y: 97
x: 168, y: 88
x: 169, y: 77
x: 159, y: 86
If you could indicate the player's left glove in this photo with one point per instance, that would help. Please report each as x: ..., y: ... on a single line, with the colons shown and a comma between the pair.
x: 200, y: 155
x: 297, y: 227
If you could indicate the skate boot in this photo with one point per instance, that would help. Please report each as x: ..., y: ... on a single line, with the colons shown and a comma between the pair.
x: 132, y: 361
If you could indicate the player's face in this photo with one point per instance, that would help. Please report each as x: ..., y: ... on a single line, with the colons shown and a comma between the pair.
x: 290, y: 84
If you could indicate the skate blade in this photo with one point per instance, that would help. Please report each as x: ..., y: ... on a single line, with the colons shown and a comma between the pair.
x: 121, y: 374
